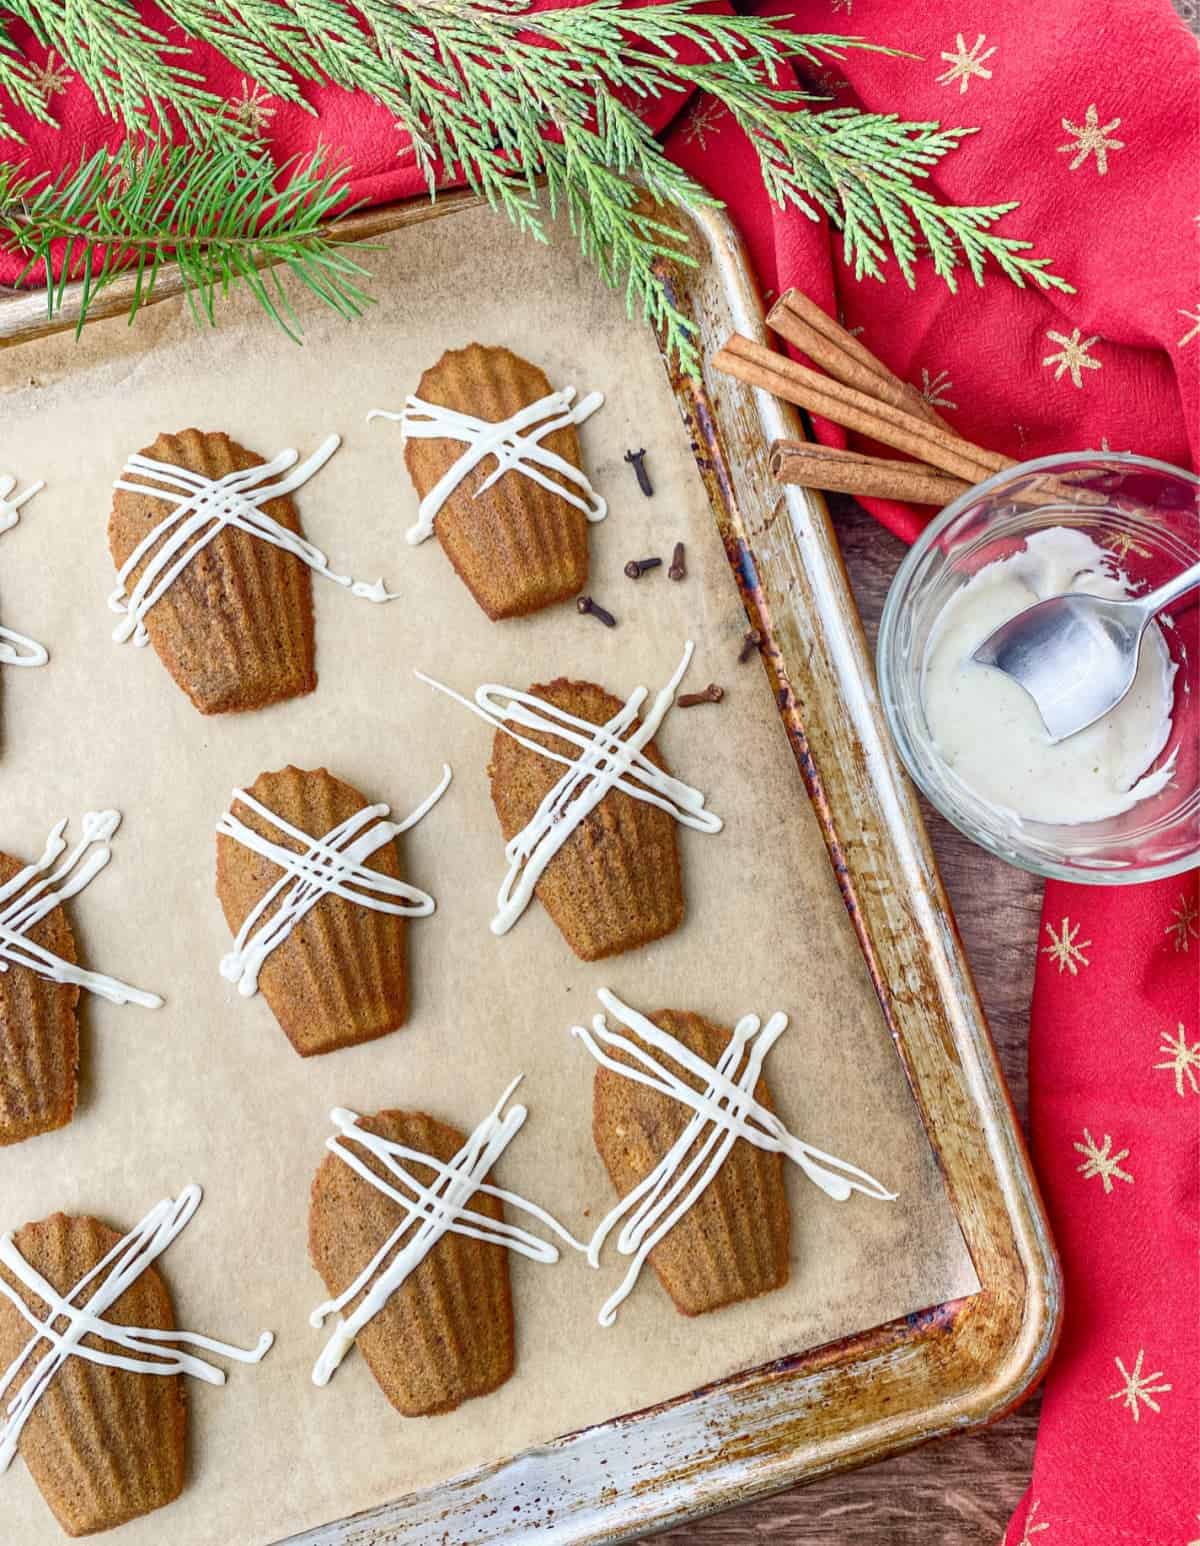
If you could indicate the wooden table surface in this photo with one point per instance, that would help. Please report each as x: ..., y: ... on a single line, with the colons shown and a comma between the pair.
x: 959, y: 1491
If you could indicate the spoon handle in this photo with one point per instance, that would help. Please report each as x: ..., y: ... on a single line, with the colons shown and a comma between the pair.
x: 1171, y: 591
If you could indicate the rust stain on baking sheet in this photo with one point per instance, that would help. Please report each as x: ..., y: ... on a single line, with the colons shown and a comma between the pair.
x: 746, y: 571
x: 701, y: 424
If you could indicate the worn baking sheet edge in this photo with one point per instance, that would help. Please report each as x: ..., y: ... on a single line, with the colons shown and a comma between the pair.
x: 954, y: 1366
x: 23, y: 314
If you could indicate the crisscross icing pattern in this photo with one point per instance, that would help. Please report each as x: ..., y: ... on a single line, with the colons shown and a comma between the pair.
x: 140, y: 1350
x: 201, y: 508
x: 610, y: 756
x: 431, y: 1210
x: 17, y: 649
x: 333, y: 865
x: 38, y: 888
x: 516, y: 444
x: 723, y: 1110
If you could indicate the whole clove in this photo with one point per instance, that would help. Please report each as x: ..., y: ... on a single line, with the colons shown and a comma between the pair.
x: 678, y: 567
x: 636, y: 567
x: 587, y: 606
x: 711, y: 694
x: 749, y: 644
x: 637, y: 460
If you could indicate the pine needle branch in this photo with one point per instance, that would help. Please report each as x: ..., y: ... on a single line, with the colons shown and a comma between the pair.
x: 537, y: 112
x: 138, y: 78
x: 217, y: 213
x: 19, y: 82
x: 868, y: 172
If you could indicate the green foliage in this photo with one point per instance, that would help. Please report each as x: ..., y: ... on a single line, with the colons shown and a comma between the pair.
x: 216, y: 212
x: 19, y: 79
x: 138, y: 77
x: 538, y: 113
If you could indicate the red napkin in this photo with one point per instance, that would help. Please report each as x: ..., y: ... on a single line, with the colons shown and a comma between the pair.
x: 1091, y: 118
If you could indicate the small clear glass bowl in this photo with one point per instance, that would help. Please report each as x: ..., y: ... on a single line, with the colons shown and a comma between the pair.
x: 1148, y: 515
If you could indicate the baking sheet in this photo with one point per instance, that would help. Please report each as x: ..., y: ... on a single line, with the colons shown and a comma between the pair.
x: 207, y: 1089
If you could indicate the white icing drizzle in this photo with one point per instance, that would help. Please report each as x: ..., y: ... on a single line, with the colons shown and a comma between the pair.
x: 201, y: 509
x: 503, y: 439
x: 335, y: 863
x: 430, y: 1211
x: 608, y: 759
x: 123, y: 1265
x: 32, y: 893
x: 17, y: 649
x: 725, y: 1107
x: 10, y: 504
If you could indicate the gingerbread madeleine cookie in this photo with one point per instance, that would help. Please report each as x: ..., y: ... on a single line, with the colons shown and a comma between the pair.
x: 410, y: 1236
x: 615, y: 882
x: 214, y: 569
x: 588, y: 810
x: 41, y: 979
x: 683, y: 1119
x: 309, y: 878
x: 105, y: 1441
x: 39, y: 1031
x: 494, y: 456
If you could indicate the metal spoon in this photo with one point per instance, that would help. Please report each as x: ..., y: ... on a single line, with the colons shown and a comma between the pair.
x: 1077, y: 655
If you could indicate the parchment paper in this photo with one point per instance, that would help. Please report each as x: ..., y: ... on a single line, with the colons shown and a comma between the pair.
x: 208, y: 1090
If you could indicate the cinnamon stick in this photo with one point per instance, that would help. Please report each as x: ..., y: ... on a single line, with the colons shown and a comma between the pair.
x: 853, y: 472
x: 829, y: 345
x: 761, y: 367
x: 807, y: 465
x: 861, y: 394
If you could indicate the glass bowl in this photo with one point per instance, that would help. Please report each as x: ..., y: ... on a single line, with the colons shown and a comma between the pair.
x: 1147, y: 514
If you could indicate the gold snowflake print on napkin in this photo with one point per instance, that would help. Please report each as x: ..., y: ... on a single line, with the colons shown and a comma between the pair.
x: 1072, y: 355
x: 51, y: 79
x: 933, y: 389
x: 829, y: 83
x: 702, y: 121
x: 252, y: 108
x: 124, y: 170
x: 966, y: 63
x: 1123, y: 544
x: 1091, y: 138
x: 1032, y: 1529
x: 1099, y: 1160
x: 1139, y: 1389
x: 1194, y: 331
x: 1066, y: 948
x: 1185, y: 923
x: 1182, y: 1059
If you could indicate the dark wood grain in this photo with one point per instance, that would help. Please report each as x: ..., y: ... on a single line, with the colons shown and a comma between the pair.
x: 959, y: 1492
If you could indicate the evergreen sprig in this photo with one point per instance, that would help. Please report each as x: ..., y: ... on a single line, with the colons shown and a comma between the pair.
x: 538, y: 112
x: 217, y: 213
x: 137, y: 75
x: 18, y: 78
